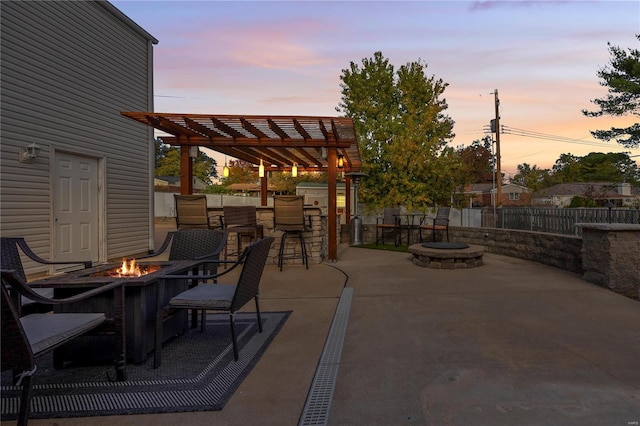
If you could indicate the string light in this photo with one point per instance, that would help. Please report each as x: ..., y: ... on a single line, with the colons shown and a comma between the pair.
x: 225, y: 169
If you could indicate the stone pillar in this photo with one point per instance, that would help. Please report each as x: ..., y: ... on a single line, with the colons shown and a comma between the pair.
x: 611, y: 256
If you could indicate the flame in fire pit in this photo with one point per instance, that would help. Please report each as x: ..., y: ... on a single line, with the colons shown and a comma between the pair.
x: 132, y: 269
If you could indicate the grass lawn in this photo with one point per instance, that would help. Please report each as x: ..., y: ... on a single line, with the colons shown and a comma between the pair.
x: 389, y: 247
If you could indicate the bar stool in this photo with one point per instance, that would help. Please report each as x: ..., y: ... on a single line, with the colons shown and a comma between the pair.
x: 242, y: 221
x: 288, y: 217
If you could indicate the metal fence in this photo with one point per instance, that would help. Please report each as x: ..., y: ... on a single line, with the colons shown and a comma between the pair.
x: 555, y: 220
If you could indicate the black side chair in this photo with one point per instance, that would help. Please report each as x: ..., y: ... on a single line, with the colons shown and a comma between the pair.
x: 388, y: 224
x: 288, y: 217
x: 26, y: 338
x: 218, y: 296
x: 438, y: 223
x: 195, y: 244
x: 192, y: 244
x: 10, y: 259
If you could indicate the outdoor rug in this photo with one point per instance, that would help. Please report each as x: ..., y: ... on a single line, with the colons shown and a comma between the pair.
x: 197, y: 373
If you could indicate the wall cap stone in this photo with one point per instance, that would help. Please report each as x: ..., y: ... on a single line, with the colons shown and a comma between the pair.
x: 610, y: 226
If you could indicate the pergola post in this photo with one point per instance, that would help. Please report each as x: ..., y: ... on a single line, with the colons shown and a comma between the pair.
x: 263, y: 190
x: 332, y: 205
x: 347, y: 204
x: 186, y: 171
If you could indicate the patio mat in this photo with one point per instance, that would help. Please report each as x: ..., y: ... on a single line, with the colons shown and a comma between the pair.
x: 198, y: 373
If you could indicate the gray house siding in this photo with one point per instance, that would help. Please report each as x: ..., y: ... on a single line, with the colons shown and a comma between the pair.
x: 68, y: 69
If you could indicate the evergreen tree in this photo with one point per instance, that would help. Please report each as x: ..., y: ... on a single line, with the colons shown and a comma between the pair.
x: 622, y: 77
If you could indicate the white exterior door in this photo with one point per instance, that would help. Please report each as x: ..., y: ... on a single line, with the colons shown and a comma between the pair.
x: 76, y: 216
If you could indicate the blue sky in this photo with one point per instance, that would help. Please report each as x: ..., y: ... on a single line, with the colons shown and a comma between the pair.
x: 268, y: 57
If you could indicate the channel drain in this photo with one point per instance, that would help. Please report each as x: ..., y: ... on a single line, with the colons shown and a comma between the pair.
x: 318, y: 404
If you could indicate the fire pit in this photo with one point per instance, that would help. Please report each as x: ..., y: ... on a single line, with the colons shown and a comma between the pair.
x: 141, y: 291
x: 445, y: 255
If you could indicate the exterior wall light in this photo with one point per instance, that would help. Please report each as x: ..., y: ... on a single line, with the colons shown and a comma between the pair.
x: 29, y: 153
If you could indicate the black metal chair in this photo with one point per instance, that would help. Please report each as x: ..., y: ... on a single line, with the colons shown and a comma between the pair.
x: 10, y: 260
x: 217, y: 296
x: 195, y: 244
x: 389, y: 223
x: 192, y: 244
x: 288, y: 217
x: 438, y: 223
x: 28, y: 337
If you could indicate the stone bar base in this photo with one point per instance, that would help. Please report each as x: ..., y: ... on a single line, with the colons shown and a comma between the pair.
x: 316, y: 238
x: 470, y: 257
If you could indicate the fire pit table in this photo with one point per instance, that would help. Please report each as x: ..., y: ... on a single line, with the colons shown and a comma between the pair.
x: 445, y: 255
x: 140, y: 304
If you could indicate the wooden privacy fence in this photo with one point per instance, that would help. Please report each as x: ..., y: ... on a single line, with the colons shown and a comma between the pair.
x: 555, y: 220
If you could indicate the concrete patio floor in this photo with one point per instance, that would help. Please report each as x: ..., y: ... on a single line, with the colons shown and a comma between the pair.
x: 509, y: 343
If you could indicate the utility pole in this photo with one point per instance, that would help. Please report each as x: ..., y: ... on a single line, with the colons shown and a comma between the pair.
x: 498, y: 167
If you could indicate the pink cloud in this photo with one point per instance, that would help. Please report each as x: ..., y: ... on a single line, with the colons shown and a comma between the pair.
x: 495, y: 4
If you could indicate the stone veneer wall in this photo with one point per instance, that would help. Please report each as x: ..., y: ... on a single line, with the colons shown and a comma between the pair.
x: 611, y: 257
x: 561, y: 251
x: 317, y: 246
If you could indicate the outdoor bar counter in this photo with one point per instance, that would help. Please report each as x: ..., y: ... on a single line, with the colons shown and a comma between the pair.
x: 316, y: 238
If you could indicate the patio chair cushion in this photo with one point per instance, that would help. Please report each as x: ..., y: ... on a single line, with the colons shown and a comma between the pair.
x: 205, y: 296
x: 45, y: 331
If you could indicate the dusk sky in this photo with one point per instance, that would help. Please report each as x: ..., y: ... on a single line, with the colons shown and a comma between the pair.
x: 286, y: 58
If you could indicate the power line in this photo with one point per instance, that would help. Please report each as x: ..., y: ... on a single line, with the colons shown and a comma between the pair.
x: 545, y: 136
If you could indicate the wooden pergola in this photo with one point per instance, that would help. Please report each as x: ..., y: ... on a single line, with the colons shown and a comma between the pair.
x: 278, y: 142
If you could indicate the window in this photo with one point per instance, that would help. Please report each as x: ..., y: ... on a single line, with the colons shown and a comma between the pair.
x: 514, y: 196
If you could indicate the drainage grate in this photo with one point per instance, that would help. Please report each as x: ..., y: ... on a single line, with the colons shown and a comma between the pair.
x: 316, y: 409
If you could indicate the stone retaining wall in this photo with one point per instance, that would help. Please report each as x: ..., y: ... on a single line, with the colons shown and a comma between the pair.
x: 561, y: 251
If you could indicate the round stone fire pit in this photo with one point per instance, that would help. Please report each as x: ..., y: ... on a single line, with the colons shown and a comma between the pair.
x: 445, y: 255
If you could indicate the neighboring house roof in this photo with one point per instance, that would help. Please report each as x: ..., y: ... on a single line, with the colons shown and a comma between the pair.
x: 600, y: 189
x: 175, y: 181
x: 486, y: 188
x: 171, y: 180
x: 480, y: 187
